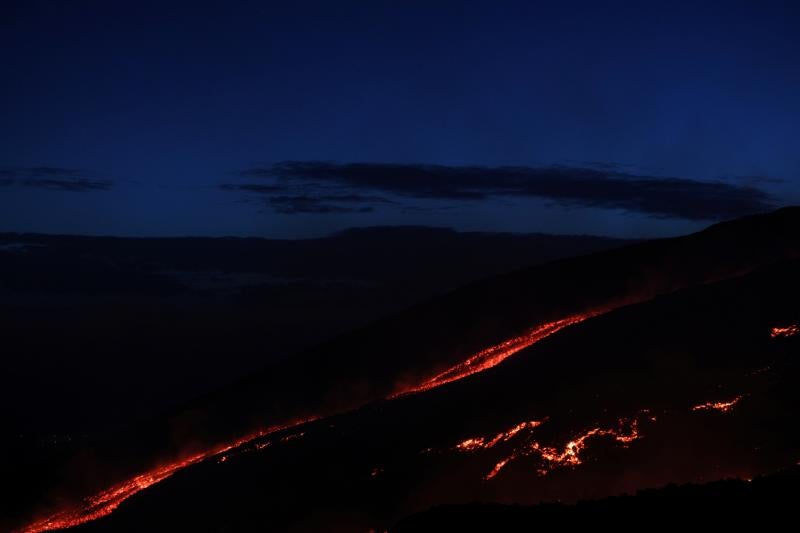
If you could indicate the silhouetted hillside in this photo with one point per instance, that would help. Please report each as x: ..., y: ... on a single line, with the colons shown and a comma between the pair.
x: 102, y: 332
x: 765, y: 501
x: 686, y: 388
x: 671, y: 374
x: 92, y: 317
x: 425, y: 339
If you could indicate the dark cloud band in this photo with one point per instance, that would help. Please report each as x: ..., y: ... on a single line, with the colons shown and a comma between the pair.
x: 573, y: 186
x: 52, y: 178
x: 291, y: 205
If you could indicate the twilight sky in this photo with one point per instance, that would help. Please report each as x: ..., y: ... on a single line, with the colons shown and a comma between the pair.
x: 295, y: 119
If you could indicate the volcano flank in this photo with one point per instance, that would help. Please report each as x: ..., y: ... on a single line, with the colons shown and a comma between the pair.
x: 670, y: 361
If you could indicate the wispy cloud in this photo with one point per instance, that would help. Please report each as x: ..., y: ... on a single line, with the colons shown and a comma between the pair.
x: 605, y: 187
x: 325, y: 203
x: 253, y: 187
x: 292, y: 205
x: 288, y: 199
x: 52, y: 178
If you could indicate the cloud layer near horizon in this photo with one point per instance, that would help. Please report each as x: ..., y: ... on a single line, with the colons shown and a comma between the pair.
x: 52, y: 178
x: 324, y: 187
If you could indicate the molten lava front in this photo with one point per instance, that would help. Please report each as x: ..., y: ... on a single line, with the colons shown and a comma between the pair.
x: 722, y: 407
x: 518, y: 441
x: 106, y: 502
x: 484, y: 444
x: 785, y: 331
x: 551, y: 457
x: 494, y: 355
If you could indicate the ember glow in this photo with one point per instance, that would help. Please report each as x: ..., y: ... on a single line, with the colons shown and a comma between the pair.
x: 523, y: 443
x: 494, y: 355
x: 551, y: 457
x: 106, y: 502
x: 786, y: 331
x: 482, y: 443
x: 722, y: 407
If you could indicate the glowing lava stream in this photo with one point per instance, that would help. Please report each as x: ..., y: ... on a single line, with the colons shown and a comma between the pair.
x: 494, y: 355
x: 106, y: 502
x: 722, y: 407
x: 481, y: 443
x: 551, y: 457
x: 787, y: 331
x: 627, y: 431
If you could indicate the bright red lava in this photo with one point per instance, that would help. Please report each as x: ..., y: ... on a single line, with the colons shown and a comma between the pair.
x: 786, y: 331
x: 106, y: 502
x: 625, y: 432
x: 494, y: 355
x: 550, y: 458
x: 722, y: 407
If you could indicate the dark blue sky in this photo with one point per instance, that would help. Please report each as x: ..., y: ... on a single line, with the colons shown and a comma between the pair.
x: 175, y: 118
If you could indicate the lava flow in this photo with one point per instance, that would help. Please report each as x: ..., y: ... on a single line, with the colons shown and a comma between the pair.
x: 104, y: 503
x: 722, y: 407
x: 494, y: 355
x: 787, y: 331
x: 627, y: 431
x: 551, y: 457
x: 482, y: 443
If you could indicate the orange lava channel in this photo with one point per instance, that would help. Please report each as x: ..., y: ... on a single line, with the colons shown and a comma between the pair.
x: 787, y: 331
x: 496, y: 354
x: 106, y: 502
x: 627, y: 431
x: 476, y: 443
x: 722, y: 407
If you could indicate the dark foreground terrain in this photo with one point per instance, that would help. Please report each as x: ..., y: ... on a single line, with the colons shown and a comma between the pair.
x: 89, y: 323
x: 688, y: 388
x: 768, y: 501
x: 671, y: 361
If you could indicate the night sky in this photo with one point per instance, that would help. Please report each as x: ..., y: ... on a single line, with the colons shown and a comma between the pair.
x: 297, y: 119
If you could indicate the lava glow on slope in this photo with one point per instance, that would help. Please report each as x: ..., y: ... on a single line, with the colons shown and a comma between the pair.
x: 494, y: 355
x: 481, y: 443
x: 104, y: 503
x: 722, y: 407
x: 551, y: 457
x: 786, y: 331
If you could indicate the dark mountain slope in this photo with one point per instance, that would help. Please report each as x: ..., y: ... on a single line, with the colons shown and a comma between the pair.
x: 767, y: 501
x: 374, y: 362
x: 686, y: 388
x: 91, y: 317
x: 414, y: 345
